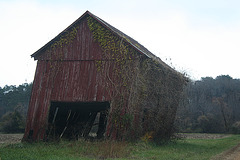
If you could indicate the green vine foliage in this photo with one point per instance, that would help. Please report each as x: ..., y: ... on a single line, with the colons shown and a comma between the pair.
x: 146, y: 91
x: 124, y: 65
x: 114, y: 46
x: 55, y: 51
x: 66, y: 38
x: 115, y: 49
x: 163, y: 91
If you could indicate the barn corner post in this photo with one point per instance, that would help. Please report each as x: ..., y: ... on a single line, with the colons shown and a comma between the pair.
x: 33, y: 111
x: 92, y: 80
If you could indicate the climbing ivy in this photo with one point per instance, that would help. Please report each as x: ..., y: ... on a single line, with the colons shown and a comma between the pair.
x: 55, y: 49
x: 113, y: 46
x: 123, y: 61
x: 66, y: 38
x: 147, y: 90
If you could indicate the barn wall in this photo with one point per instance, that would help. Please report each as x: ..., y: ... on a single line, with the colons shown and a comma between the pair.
x: 73, y: 71
x: 69, y: 82
x: 75, y: 44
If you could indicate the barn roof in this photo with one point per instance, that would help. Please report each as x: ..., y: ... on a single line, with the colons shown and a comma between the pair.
x: 128, y: 39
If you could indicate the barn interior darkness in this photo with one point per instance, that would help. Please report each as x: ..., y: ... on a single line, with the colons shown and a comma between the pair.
x: 72, y: 120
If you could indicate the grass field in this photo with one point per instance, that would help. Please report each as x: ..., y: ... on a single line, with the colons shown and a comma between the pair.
x: 185, y: 149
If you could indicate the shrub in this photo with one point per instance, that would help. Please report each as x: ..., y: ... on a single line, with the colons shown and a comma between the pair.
x: 12, y: 122
x: 236, y: 128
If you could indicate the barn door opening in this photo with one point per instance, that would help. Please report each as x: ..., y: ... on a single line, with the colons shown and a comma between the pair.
x: 72, y: 120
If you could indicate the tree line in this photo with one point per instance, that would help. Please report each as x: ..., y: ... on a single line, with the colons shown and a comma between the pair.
x: 13, y: 107
x: 210, y: 106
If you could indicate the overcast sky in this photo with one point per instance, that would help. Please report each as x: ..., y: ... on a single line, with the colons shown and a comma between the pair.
x: 199, y: 37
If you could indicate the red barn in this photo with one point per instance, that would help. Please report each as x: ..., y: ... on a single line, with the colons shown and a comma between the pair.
x: 92, y: 79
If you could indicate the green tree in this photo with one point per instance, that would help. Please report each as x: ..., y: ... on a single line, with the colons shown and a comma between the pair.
x: 13, y: 122
x: 219, y: 97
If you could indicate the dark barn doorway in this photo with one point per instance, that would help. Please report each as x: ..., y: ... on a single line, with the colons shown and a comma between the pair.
x: 72, y: 120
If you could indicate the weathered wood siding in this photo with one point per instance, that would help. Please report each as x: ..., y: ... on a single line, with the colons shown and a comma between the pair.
x: 73, y: 77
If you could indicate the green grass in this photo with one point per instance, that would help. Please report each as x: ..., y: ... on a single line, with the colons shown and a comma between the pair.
x: 187, y: 149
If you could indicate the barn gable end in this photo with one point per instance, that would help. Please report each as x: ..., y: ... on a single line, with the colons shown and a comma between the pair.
x: 93, y: 73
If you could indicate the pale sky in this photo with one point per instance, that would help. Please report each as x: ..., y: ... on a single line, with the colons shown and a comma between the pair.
x: 199, y: 37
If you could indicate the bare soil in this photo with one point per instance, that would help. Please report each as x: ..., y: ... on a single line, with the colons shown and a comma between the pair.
x: 231, y: 154
x: 202, y: 136
x: 10, y: 138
